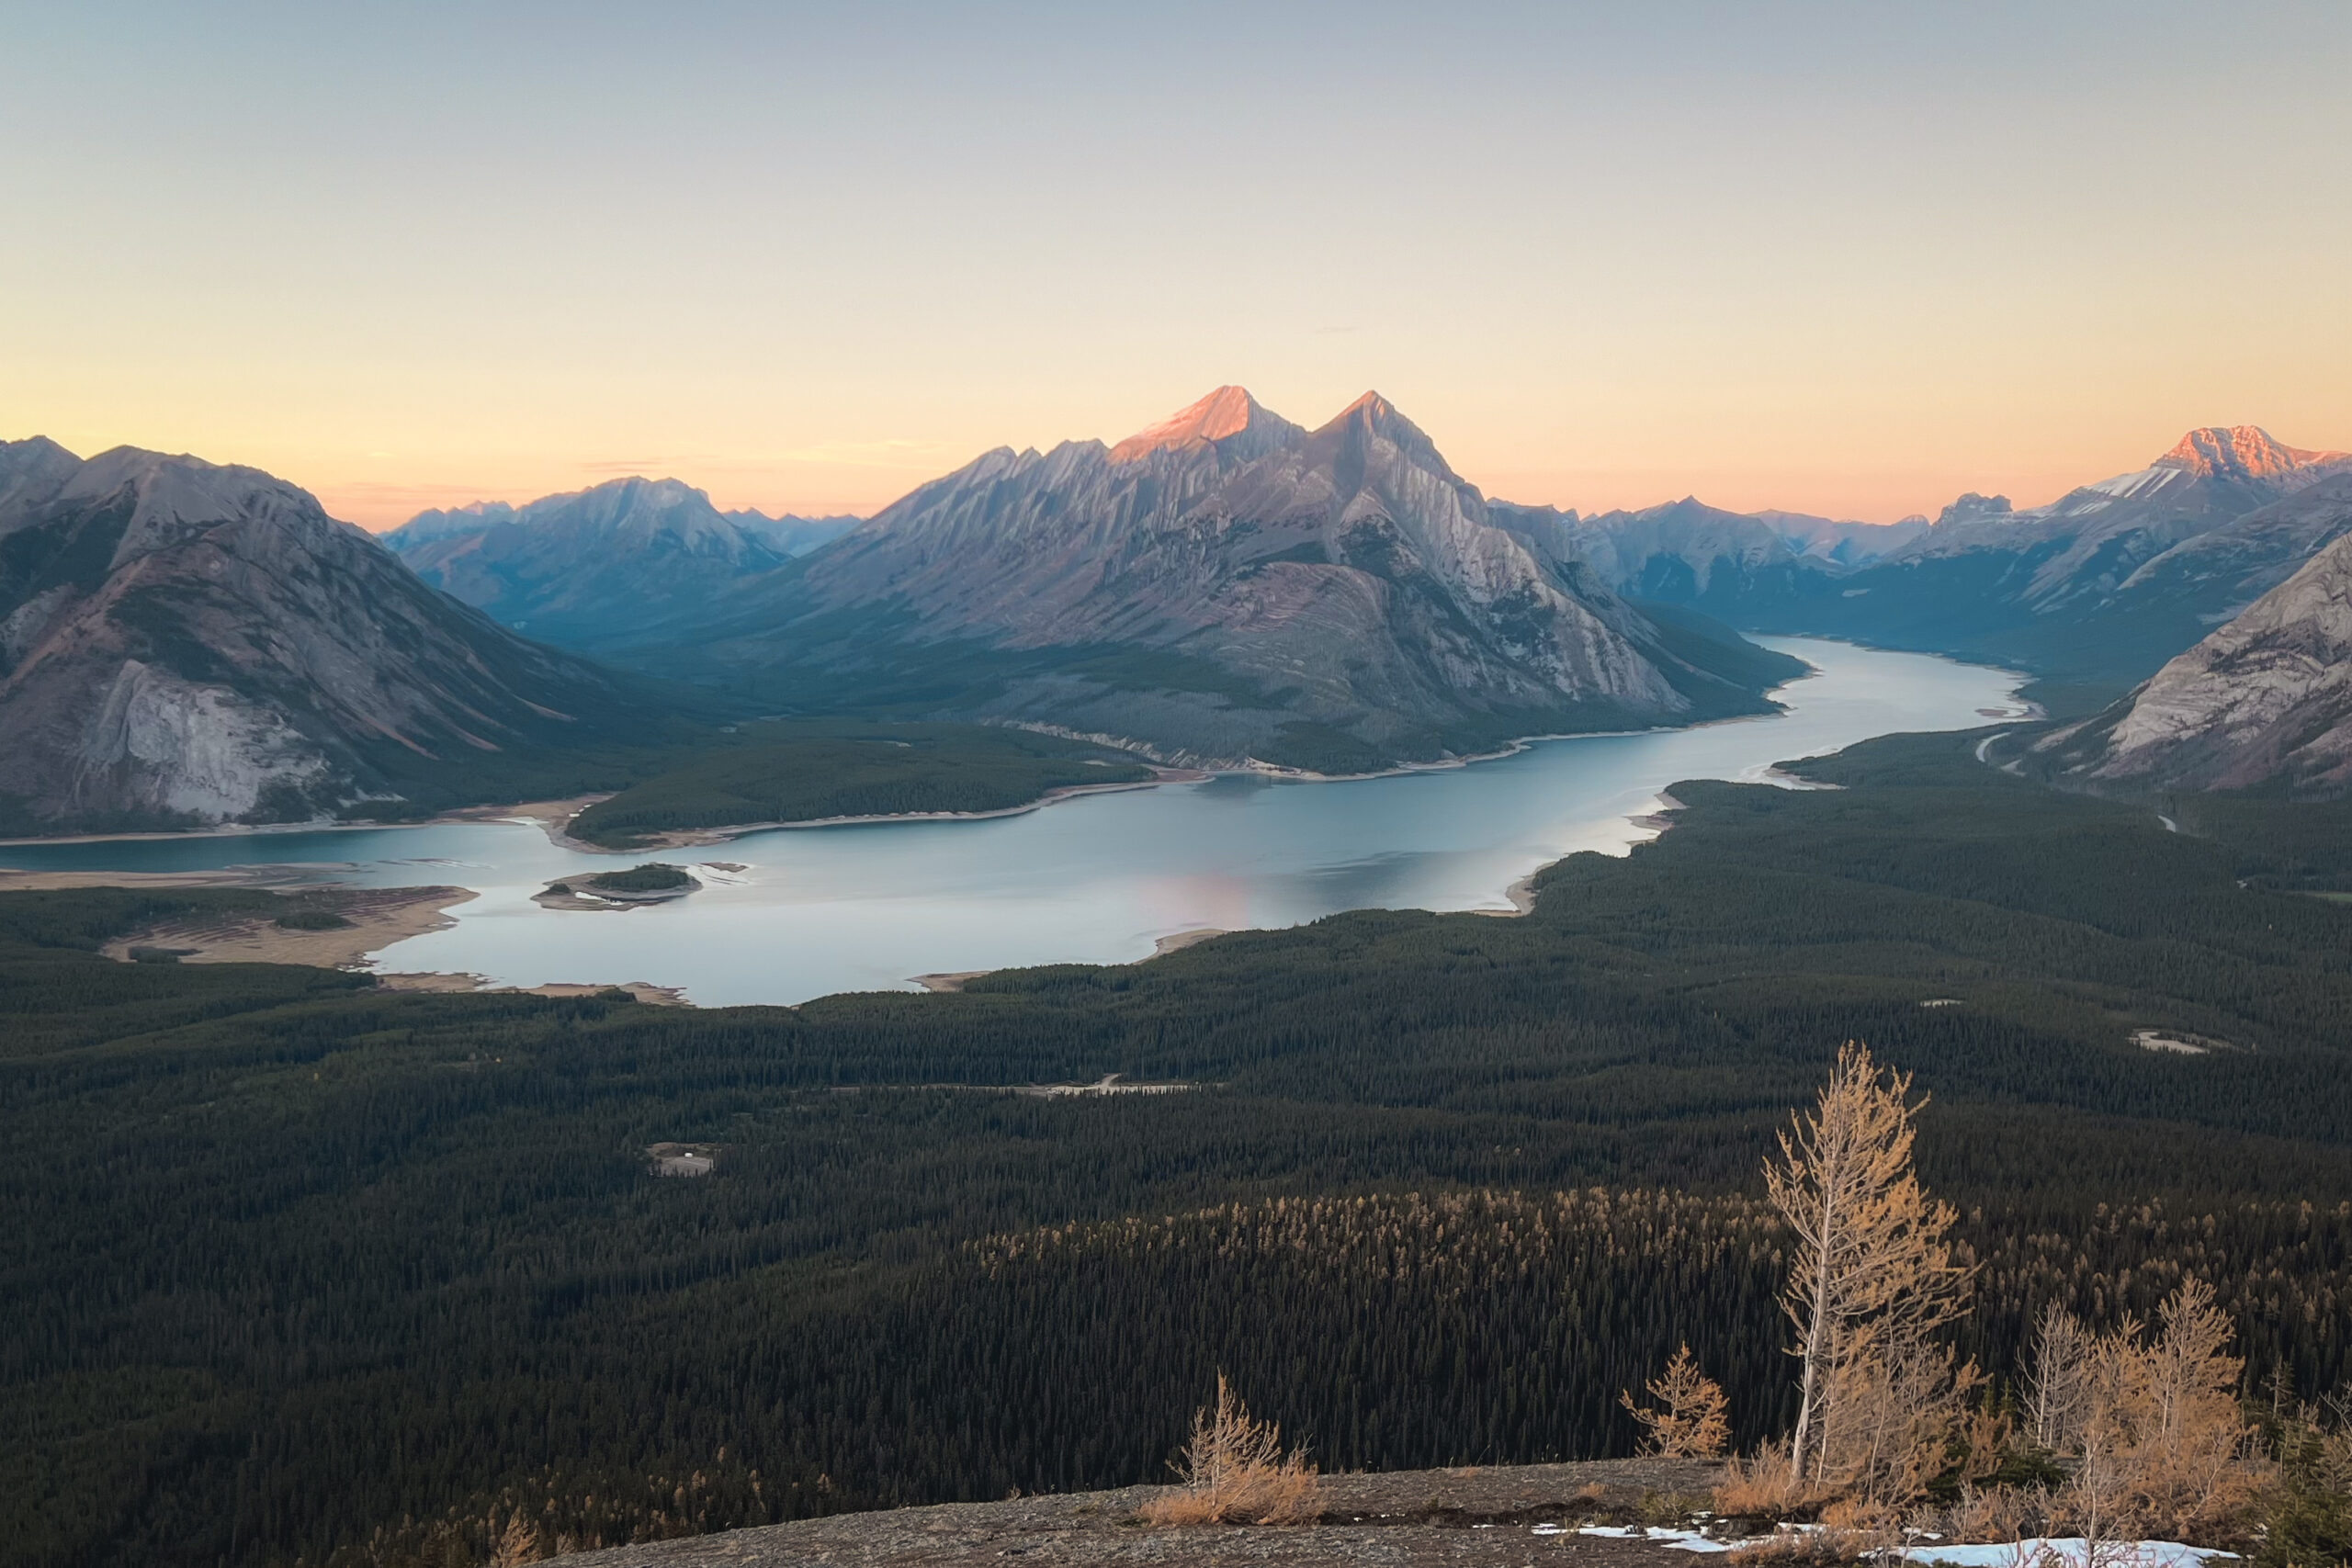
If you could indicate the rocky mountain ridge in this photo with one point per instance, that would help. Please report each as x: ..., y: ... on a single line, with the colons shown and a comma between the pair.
x: 2104, y: 583
x: 596, y: 567
x: 2265, y: 701
x: 185, y: 643
x: 1688, y: 552
x: 1226, y: 585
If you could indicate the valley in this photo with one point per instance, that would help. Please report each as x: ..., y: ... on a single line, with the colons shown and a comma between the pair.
x: 1093, y: 998
x: 1100, y: 878
x: 928, y: 785
x: 796, y: 1333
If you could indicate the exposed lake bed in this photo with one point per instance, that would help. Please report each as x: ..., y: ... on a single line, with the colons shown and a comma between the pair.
x: 1099, y: 877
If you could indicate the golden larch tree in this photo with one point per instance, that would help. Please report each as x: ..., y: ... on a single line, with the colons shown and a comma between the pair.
x: 1688, y: 1419
x: 1873, y: 1277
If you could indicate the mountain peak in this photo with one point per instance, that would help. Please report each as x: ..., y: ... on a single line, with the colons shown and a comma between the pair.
x: 30, y: 472
x: 1372, y: 416
x: 1974, y: 508
x: 1375, y: 413
x: 2239, y: 452
x: 1227, y: 411
x: 174, y: 496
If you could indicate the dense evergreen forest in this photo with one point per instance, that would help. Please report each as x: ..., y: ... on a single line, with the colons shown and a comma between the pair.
x: 299, y: 1269
x: 806, y: 770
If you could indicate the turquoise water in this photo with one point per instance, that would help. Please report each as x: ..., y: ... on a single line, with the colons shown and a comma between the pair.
x: 1096, y: 879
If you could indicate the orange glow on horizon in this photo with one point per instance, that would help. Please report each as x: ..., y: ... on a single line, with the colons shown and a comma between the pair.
x: 1841, y: 260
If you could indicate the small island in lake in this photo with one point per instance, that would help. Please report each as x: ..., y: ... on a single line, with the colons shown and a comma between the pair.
x: 656, y: 882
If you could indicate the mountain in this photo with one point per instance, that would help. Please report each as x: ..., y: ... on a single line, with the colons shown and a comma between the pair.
x: 2263, y: 701
x: 1846, y: 543
x: 1226, y: 584
x: 2106, y: 583
x: 1687, y: 552
x: 793, y: 536
x: 30, y: 472
x: 184, y: 643
x: 600, y: 567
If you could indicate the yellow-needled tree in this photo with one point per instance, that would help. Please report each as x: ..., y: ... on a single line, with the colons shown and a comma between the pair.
x: 1873, y: 1277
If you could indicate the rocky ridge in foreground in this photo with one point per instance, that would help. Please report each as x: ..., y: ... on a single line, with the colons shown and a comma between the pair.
x: 1508, y: 1515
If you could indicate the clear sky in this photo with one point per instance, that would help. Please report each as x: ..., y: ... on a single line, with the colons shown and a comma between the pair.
x: 1840, y: 258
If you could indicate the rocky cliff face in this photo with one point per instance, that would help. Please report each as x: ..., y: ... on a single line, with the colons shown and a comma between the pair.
x: 603, y: 568
x: 185, y: 643
x: 1227, y: 584
x: 2267, y: 700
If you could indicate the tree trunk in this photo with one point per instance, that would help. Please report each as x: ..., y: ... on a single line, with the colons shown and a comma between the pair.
x: 1817, y: 1330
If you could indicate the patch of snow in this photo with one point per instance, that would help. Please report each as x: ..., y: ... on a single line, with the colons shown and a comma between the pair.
x: 1672, y: 1540
x: 2124, y: 487
x: 2071, y: 1552
x: 2151, y: 1040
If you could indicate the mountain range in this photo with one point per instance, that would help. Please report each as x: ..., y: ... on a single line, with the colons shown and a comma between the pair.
x: 2103, y: 584
x: 587, y: 566
x: 182, y: 642
x: 185, y: 643
x: 1223, y: 586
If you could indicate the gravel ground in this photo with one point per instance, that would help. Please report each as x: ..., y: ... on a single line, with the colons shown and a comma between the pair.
x: 1516, y: 1514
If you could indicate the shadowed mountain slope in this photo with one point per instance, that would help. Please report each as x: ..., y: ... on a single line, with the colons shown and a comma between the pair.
x: 2106, y: 582
x: 183, y: 643
x: 1223, y: 585
x: 600, y: 565
x: 2265, y: 701
x: 1687, y: 552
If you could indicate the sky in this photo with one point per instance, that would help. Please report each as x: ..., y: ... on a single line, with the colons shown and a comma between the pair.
x: 1849, y: 259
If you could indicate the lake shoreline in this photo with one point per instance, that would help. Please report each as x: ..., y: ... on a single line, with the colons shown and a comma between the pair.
x: 935, y: 911
x: 554, y: 817
x: 703, y: 838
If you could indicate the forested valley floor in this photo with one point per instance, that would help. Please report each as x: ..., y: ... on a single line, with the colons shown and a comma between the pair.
x: 300, y: 1269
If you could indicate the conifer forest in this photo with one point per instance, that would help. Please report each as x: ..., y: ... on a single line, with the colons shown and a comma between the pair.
x: 304, y: 1269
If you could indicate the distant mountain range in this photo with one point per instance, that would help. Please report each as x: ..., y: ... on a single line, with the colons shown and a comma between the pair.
x: 182, y: 643
x: 2105, y: 583
x: 1224, y: 585
x: 1687, y: 552
x: 593, y: 566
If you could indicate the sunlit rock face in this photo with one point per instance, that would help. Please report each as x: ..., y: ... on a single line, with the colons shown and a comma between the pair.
x: 1343, y: 576
x: 2244, y: 452
x: 184, y: 642
x: 1225, y: 414
x: 2267, y: 700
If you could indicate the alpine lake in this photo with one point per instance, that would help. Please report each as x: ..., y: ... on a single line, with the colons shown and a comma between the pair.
x: 1100, y: 878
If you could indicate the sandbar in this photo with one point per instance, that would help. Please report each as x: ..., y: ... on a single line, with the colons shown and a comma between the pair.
x: 376, y: 917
